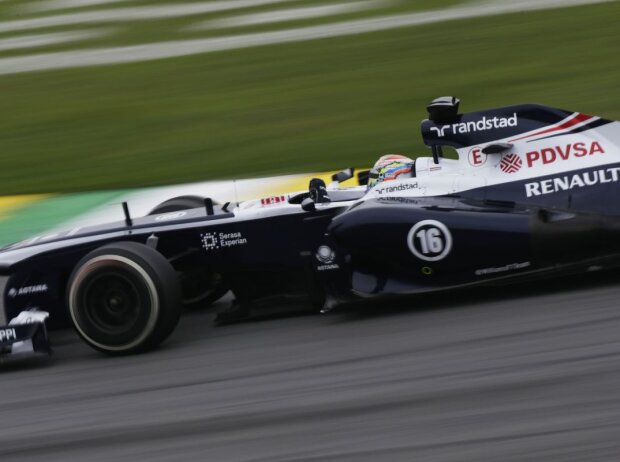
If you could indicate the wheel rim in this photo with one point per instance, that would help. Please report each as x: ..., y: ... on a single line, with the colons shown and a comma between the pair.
x: 113, y: 303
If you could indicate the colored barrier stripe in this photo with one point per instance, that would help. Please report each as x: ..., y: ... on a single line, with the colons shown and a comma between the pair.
x: 30, y: 218
x: 300, y: 183
x: 10, y: 203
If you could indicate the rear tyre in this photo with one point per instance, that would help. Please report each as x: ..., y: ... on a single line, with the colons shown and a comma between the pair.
x: 201, y: 287
x: 124, y: 298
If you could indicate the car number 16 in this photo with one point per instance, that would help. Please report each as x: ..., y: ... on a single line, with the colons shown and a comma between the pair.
x: 429, y: 240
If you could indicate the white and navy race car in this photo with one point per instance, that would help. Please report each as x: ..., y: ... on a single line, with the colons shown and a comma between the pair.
x: 534, y: 192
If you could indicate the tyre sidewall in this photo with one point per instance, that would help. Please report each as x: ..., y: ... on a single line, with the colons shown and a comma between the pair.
x: 158, y: 275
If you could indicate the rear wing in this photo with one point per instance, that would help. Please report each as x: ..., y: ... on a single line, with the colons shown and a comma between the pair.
x: 445, y: 127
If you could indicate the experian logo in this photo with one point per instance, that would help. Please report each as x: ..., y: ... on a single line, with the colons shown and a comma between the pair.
x: 478, y: 126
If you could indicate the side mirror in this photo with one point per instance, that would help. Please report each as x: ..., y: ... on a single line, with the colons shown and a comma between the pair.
x: 308, y: 205
x: 343, y: 176
x: 363, y: 177
x: 496, y: 148
x: 318, y: 191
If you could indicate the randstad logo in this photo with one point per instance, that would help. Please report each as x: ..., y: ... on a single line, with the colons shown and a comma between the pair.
x: 477, y: 126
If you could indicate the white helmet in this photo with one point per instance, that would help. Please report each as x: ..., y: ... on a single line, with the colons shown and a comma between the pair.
x: 385, y: 163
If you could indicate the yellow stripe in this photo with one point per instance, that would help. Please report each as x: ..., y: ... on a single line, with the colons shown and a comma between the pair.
x: 301, y: 182
x: 10, y: 203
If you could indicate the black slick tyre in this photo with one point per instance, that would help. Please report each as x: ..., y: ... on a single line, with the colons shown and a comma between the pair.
x: 124, y: 298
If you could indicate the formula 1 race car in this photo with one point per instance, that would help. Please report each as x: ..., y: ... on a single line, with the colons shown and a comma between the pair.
x: 533, y: 193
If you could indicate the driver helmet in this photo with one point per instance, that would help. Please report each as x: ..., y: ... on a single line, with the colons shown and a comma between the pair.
x: 388, y: 168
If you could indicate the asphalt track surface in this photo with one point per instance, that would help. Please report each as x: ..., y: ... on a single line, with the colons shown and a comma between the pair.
x: 527, y: 373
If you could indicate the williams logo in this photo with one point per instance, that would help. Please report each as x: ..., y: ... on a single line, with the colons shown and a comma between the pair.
x: 170, y: 216
x: 326, y: 256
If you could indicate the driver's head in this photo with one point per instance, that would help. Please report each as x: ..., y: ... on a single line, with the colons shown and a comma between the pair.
x: 389, y: 167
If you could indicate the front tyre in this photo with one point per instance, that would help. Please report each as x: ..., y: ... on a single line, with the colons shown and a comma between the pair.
x: 124, y: 298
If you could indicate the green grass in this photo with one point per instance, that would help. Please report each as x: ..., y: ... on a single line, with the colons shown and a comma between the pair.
x: 297, y: 107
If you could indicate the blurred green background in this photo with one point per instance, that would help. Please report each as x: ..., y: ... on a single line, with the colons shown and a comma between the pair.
x: 308, y: 106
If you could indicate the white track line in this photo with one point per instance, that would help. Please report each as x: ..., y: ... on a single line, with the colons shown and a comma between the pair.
x: 51, y: 5
x: 31, y: 41
x: 133, y: 14
x: 290, y: 14
x: 130, y: 54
